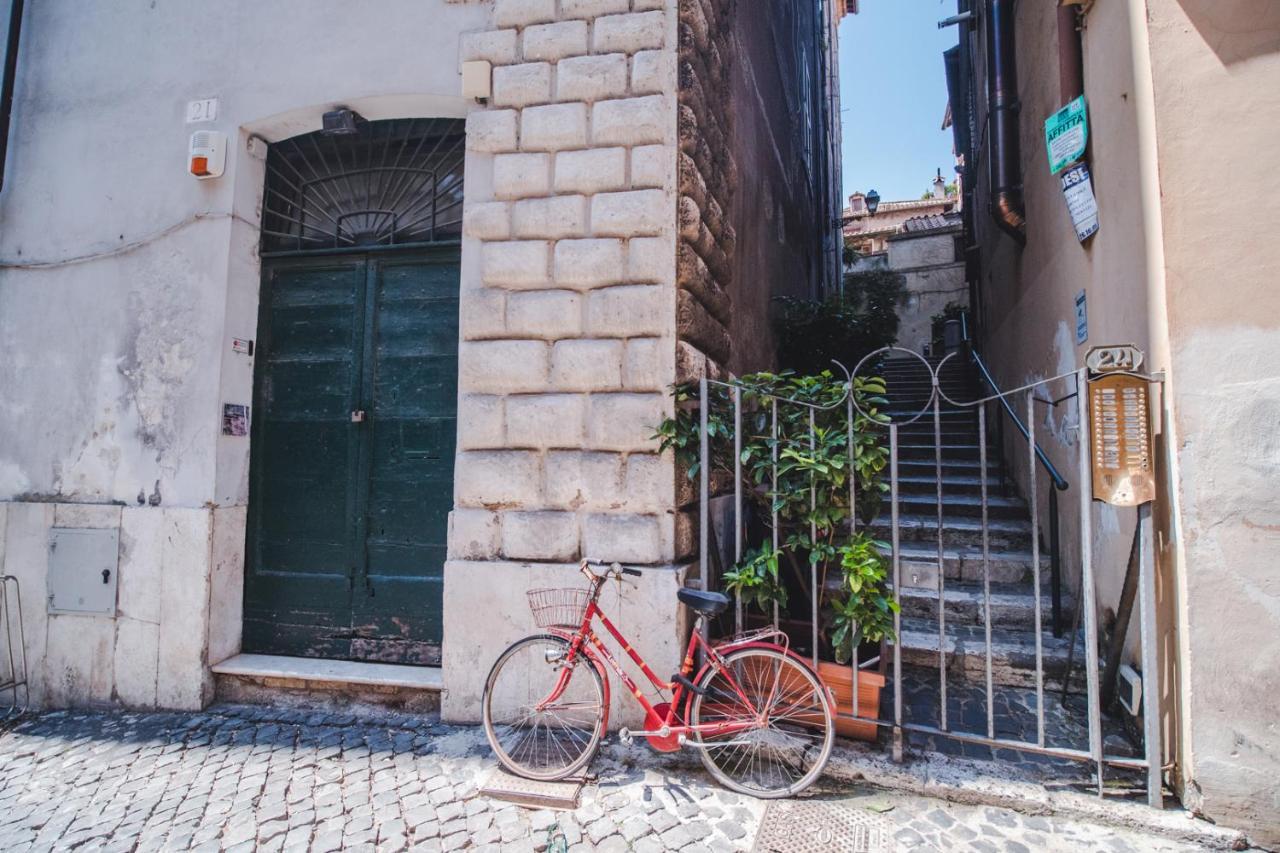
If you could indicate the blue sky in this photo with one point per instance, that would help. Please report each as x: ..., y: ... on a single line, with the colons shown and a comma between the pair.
x: 894, y: 93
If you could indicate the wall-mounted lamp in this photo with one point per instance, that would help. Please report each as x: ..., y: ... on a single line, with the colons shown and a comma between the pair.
x: 342, y: 122
x: 873, y: 201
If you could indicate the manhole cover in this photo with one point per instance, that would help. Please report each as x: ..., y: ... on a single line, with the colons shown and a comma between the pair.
x: 526, y: 792
x: 815, y: 826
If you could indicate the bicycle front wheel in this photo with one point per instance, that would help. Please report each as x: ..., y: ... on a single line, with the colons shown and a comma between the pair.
x: 778, y: 729
x: 544, y: 718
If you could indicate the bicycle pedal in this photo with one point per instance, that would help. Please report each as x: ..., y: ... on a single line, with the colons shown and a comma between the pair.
x: 624, y: 736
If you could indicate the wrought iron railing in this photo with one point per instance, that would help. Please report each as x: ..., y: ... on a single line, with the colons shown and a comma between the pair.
x: 1038, y: 741
x: 1056, y: 480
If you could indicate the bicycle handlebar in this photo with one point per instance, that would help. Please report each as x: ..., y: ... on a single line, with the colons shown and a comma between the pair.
x: 611, y: 569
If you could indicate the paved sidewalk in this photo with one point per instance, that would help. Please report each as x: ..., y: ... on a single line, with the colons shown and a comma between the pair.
x: 249, y: 778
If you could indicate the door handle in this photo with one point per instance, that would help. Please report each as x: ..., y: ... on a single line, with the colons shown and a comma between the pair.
x: 358, y: 416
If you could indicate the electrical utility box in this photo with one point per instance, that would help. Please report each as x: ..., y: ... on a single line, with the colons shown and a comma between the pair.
x: 83, y: 570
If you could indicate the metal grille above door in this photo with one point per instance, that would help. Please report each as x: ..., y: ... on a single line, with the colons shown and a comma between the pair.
x: 395, y: 182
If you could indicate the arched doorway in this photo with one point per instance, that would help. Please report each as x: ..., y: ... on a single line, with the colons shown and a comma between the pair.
x: 355, y: 387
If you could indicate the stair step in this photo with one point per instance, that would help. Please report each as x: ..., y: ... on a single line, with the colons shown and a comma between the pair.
x: 1003, y: 533
x: 969, y: 505
x: 952, y: 484
x: 930, y: 451
x: 1012, y: 605
x: 927, y: 467
x: 327, y: 684
x: 965, y: 564
x: 1013, y: 655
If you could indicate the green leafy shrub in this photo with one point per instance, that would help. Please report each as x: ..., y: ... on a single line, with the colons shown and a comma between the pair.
x: 816, y: 462
x: 844, y: 328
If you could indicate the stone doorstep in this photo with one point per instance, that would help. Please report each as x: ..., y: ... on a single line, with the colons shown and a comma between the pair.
x: 968, y: 782
x: 320, y: 674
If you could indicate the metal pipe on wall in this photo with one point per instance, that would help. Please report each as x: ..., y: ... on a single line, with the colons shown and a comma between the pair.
x: 1002, y: 99
x: 8, y: 80
x: 1070, y: 54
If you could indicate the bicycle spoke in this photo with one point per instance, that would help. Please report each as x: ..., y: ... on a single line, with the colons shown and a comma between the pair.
x: 543, y: 741
x: 785, y: 737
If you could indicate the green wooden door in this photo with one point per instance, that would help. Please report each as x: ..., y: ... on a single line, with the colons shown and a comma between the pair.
x: 351, y: 476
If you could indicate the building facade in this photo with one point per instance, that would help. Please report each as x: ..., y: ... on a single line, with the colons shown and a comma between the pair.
x: 351, y: 398
x: 1181, y: 111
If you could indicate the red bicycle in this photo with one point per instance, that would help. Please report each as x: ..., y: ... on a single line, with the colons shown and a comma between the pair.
x: 756, y: 712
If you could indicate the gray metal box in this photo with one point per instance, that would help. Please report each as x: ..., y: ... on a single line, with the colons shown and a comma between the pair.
x: 83, y: 570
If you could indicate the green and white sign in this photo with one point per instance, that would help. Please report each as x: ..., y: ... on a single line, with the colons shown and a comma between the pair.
x: 1065, y: 134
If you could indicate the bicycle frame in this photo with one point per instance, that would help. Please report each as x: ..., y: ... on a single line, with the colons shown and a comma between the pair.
x: 665, y: 727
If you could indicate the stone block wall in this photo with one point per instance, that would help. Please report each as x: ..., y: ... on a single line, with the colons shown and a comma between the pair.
x: 707, y: 182
x: 568, y: 323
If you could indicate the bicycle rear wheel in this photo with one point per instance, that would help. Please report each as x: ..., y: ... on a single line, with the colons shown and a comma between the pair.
x: 543, y: 719
x: 783, y: 730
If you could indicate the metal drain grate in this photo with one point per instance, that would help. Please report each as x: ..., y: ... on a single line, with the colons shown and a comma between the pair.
x: 526, y: 792
x: 815, y: 826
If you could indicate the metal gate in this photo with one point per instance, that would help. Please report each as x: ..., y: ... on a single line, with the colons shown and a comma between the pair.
x: 923, y: 423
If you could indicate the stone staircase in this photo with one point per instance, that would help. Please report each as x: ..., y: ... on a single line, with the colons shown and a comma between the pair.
x: 1009, y: 537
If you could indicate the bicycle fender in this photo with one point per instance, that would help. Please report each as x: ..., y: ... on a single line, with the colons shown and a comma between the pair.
x: 772, y: 647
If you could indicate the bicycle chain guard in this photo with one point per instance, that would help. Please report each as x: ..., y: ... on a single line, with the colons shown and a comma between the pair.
x: 670, y: 743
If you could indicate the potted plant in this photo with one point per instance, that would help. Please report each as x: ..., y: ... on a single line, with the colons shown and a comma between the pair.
x: 862, y: 613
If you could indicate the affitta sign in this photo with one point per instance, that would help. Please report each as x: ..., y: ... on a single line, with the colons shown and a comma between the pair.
x: 1066, y: 133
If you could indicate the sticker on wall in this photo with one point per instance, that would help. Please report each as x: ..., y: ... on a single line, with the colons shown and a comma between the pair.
x: 1066, y: 133
x: 1077, y: 186
x: 235, y: 419
x: 1082, y: 318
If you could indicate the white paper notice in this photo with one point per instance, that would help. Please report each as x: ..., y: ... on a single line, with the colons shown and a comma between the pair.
x: 1077, y: 186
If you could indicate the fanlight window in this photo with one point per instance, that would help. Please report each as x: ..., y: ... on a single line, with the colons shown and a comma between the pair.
x: 394, y: 182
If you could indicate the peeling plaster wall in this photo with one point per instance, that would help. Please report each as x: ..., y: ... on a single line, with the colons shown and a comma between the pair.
x: 1216, y: 69
x: 122, y: 282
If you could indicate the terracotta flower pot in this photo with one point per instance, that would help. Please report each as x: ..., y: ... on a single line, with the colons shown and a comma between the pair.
x: 838, y: 678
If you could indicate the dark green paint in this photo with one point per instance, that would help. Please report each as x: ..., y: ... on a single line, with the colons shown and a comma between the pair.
x: 347, y: 521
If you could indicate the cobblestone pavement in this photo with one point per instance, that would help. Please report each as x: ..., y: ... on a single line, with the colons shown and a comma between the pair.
x: 250, y: 778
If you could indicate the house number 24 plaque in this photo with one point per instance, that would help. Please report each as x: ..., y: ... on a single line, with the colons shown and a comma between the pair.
x: 1120, y: 431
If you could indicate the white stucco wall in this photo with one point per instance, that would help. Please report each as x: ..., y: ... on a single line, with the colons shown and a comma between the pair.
x: 123, y: 280
x: 1215, y: 69
x: 933, y: 279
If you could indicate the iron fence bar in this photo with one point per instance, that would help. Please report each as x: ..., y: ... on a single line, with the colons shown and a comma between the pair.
x: 1087, y: 593
x: 986, y: 565
x: 853, y: 531
x: 737, y: 501
x: 1008, y: 743
x: 897, y: 591
x: 1153, y: 747
x: 813, y: 539
x: 1055, y: 563
x: 773, y: 497
x: 704, y: 491
x: 1034, y: 498
x: 942, y: 600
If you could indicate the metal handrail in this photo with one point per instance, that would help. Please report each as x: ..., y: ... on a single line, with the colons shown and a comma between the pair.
x: 1059, y: 481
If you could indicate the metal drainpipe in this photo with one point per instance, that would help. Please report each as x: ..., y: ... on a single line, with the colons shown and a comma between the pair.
x: 7, y: 81
x: 1070, y: 54
x: 1002, y: 98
